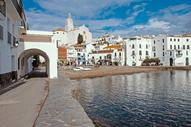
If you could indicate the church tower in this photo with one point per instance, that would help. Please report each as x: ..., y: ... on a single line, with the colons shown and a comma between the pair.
x: 69, y: 25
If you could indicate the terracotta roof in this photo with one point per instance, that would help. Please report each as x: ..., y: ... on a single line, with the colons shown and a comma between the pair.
x: 102, y: 51
x: 113, y: 47
x: 59, y: 29
x: 79, y: 45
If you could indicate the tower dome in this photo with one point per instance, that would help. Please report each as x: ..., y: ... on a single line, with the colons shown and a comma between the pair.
x: 69, y: 25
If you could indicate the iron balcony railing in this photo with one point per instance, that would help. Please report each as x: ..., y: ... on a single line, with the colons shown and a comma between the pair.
x: 3, y: 7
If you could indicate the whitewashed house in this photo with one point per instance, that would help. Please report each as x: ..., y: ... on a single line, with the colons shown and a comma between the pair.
x: 172, y: 50
x: 137, y: 50
x: 12, y: 17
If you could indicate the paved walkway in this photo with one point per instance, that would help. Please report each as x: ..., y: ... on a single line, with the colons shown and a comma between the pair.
x: 20, y: 106
x: 61, y: 109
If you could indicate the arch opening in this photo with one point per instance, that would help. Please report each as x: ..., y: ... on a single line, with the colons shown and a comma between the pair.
x: 33, y: 63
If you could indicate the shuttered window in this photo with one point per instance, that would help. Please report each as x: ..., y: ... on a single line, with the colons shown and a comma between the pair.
x: 1, y: 32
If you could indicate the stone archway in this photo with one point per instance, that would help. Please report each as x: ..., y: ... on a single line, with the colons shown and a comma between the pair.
x: 24, y: 61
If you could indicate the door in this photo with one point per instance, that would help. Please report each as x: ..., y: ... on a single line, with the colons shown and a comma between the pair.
x: 187, y: 61
x: 171, y: 62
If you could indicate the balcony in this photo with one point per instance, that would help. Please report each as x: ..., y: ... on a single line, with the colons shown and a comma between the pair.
x: 2, y: 10
x: 16, y: 11
x: 179, y: 54
x: 18, y: 6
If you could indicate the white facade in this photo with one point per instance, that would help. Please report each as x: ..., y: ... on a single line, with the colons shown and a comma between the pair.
x: 110, y: 38
x: 46, y: 49
x: 10, y: 22
x: 137, y: 49
x: 172, y: 50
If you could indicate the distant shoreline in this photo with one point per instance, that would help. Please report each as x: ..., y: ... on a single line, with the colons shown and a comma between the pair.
x: 116, y: 70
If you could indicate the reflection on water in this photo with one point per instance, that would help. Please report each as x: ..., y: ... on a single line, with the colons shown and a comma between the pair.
x: 139, y: 100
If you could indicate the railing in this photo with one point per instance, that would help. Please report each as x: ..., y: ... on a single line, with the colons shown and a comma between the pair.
x: 179, y: 54
x: 3, y: 7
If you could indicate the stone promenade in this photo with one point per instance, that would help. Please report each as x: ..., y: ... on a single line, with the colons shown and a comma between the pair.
x: 20, y: 107
x: 61, y: 109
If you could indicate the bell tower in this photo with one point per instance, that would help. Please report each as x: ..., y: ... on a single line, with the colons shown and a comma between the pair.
x: 69, y: 25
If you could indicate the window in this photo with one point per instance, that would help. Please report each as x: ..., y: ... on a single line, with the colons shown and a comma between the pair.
x: 140, y: 46
x: 147, y: 53
x: 183, y: 47
x: 133, y: 46
x: 170, y: 53
x: 188, y: 46
x: 178, y: 46
x: 133, y: 53
x: 120, y: 54
x: 13, y: 29
x: 154, y: 54
x: 115, y: 54
x: 140, y: 53
x: 187, y: 53
x: 175, y: 47
x: 154, y: 41
x: 146, y: 46
x: 178, y: 40
x: 154, y: 49
x: 163, y: 53
x: 170, y: 46
x: 8, y: 24
x: 100, y: 57
x: 163, y: 47
x: 187, y: 40
x: 9, y: 38
x: 1, y: 32
x: 174, y: 39
x: 163, y: 40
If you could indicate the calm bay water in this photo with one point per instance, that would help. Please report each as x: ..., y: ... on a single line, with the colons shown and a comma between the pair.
x: 158, y: 99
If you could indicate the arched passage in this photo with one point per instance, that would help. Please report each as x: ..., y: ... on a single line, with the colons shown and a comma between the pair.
x: 25, y: 61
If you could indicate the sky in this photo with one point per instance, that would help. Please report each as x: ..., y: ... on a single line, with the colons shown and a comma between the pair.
x: 121, y: 17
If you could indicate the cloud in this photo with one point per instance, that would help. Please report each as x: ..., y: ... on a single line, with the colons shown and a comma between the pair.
x: 84, y: 8
x: 172, y: 19
x: 54, y: 14
x: 154, y: 24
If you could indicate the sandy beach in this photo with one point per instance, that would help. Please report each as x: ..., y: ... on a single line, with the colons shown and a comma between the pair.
x: 115, y: 70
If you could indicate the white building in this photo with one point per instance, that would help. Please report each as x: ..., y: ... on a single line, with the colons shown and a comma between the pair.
x: 110, y: 38
x: 137, y: 49
x: 108, y: 54
x: 69, y: 35
x: 172, y: 50
x: 37, y: 43
x: 11, y: 18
